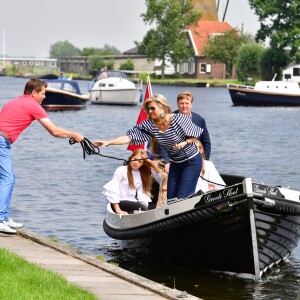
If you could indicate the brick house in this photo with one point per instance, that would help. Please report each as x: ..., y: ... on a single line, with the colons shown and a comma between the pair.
x: 198, y: 66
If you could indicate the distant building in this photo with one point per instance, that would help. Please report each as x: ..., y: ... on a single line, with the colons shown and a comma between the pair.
x: 75, y: 64
x: 31, y: 65
x: 80, y: 64
x: 292, y: 73
x: 198, y: 66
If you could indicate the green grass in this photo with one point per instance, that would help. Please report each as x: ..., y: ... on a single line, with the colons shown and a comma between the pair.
x: 20, y: 280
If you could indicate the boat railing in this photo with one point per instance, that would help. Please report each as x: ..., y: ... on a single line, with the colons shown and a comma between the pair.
x: 138, y: 82
x: 240, y: 86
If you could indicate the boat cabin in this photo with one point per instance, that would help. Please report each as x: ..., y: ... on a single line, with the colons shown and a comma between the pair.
x: 64, y: 85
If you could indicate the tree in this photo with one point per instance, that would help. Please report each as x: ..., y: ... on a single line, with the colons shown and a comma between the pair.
x: 109, y: 50
x: 280, y: 23
x: 106, y: 50
x: 248, y: 61
x: 61, y: 49
x: 271, y: 63
x: 225, y: 47
x: 128, y: 65
x: 89, y: 51
x: 96, y: 62
x: 168, y: 39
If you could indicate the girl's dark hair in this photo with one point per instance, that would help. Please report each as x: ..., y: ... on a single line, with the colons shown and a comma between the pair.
x: 34, y: 85
x: 145, y: 170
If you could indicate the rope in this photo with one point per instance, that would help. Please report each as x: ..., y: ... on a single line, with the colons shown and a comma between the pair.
x: 88, y: 148
x: 193, y: 167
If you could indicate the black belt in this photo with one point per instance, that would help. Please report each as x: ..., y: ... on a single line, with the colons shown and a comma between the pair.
x: 5, y: 136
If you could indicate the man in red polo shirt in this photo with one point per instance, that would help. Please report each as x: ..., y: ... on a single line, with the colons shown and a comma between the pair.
x: 15, y: 116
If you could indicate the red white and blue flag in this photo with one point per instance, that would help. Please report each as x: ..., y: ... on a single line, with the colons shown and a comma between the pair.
x: 143, y: 115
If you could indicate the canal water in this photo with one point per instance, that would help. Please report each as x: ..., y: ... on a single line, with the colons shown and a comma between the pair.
x: 58, y: 193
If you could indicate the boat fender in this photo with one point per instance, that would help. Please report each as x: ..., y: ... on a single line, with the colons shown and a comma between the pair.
x: 281, y: 207
x: 97, y: 95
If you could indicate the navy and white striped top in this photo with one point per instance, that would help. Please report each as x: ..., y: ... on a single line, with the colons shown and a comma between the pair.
x: 181, y: 127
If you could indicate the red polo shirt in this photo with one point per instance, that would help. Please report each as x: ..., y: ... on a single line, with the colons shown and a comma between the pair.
x: 18, y: 114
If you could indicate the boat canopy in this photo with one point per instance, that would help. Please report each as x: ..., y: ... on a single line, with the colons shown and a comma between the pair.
x: 64, y: 85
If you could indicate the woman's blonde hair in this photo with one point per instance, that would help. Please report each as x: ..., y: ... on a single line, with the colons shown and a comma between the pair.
x: 145, y: 170
x: 161, y: 101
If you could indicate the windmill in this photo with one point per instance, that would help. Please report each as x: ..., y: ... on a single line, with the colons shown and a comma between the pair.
x: 209, y: 9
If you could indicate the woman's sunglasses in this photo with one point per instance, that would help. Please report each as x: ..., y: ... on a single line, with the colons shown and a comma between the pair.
x: 150, y: 108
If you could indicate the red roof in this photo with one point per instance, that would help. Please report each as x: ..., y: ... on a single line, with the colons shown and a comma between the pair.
x: 204, y: 30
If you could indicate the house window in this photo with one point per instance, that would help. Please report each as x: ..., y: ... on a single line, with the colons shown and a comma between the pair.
x: 202, y: 68
x: 205, y: 68
x: 186, y: 67
x: 37, y: 63
x: 296, y: 71
x: 191, y: 66
x: 31, y: 63
x: 24, y: 63
x: 208, y: 68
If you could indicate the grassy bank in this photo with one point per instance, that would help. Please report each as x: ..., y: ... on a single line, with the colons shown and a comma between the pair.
x: 22, y: 280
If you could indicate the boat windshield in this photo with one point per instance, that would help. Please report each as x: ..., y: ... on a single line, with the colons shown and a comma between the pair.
x: 106, y: 74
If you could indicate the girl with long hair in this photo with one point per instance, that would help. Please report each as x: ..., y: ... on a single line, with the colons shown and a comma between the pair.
x: 130, y: 187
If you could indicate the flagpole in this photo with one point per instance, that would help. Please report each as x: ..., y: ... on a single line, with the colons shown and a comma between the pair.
x: 149, y: 85
x: 4, y: 62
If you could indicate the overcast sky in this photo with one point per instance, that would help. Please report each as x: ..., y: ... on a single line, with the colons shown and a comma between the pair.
x: 32, y: 26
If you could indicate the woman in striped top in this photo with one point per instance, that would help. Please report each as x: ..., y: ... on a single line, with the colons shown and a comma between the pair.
x: 176, y: 134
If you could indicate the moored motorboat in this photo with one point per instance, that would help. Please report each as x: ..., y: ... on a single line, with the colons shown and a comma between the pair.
x: 114, y: 88
x: 246, y: 229
x: 266, y: 93
x: 63, y: 95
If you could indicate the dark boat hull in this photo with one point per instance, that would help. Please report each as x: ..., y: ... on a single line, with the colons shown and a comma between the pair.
x: 242, y: 234
x: 63, y: 95
x: 61, y: 101
x: 243, y: 97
